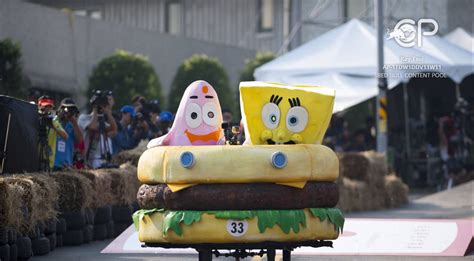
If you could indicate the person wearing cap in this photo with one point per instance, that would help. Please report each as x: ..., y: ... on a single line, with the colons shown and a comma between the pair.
x: 67, y: 113
x: 125, y: 138
x: 153, y: 110
x: 166, y: 120
x: 54, y: 128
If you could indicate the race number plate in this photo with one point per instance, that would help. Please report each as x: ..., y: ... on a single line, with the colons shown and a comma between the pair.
x: 237, y: 228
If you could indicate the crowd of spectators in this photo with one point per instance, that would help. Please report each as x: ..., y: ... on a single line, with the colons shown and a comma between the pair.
x: 90, y: 140
x: 340, y: 139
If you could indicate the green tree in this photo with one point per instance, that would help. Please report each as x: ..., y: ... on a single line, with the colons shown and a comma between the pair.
x: 126, y: 74
x: 10, y: 68
x: 251, y: 64
x: 201, y: 67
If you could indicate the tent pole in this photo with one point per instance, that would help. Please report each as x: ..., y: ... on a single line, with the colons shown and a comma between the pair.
x: 5, y: 146
x: 458, y: 91
x: 382, y: 81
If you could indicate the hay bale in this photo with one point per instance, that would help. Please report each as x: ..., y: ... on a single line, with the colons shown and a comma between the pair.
x: 355, y: 195
x: 48, y: 192
x: 4, y: 204
x: 396, y: 192
x: 109, y: 185
x: 132, y: 184
x: 11, y: 214
x: 74, y: 191
x: 368, y: 166
x: 115, y: 186
x: 32, y: 202
x: 131, y: 156
x: 15, y: 205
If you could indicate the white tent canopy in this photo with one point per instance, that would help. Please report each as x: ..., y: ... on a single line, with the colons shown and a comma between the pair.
x: 348, y: 49
x: 345, y: 59
x: 461, y: 38
x: 350, y: 90
x: 460, y: 61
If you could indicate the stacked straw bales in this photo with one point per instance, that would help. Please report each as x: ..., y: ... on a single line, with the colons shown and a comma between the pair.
x: 131, y: 156
x: 365, y: 184
x: 33, y: 199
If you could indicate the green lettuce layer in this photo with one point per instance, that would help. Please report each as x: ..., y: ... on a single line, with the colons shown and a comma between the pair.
x: 287, y: 220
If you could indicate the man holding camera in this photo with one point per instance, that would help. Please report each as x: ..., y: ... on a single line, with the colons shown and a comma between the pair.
x: 98, y: 128
x: 49, y: 129
x: 67, y: 114
x: 127, y: 138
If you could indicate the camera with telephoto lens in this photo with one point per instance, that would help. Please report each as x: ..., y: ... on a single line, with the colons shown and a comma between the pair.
x: 139, y: 118
x: 100, y: 100
x: 45, y: 118
x: 69, y: 111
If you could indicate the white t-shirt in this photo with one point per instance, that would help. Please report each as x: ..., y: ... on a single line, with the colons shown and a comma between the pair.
x: 94, y: 157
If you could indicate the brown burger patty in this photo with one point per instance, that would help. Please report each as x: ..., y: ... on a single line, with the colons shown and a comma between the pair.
x: 239, y: 196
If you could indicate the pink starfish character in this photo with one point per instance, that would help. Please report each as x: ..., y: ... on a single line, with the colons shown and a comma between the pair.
x: 198, y: 119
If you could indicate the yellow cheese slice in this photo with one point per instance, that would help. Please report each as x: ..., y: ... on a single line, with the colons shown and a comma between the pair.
x: 299, y: 185
x: 178, y: 187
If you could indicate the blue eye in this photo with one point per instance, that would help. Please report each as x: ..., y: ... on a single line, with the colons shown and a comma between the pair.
x: 296, y: 119
x: 292, y: 121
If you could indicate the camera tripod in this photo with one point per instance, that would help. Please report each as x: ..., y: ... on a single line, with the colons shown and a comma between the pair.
x: 105, y: 153
x: 44, y: 148
x: 104, y: 145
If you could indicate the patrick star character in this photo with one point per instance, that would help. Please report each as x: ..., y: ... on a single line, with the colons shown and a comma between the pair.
x: 198, y: 119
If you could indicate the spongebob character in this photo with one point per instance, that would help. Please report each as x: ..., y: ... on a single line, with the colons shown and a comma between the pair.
x: 283, y: 114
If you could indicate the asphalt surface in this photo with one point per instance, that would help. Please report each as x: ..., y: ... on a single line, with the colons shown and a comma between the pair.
x: 456, y: 203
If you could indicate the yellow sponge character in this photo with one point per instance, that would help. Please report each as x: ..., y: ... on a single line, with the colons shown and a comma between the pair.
x: 284, y: 114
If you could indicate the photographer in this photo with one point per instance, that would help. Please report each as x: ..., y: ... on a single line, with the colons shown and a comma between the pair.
x: 140, y: 127
x: 125, y: 138
x: 152, y: 109
x: 98, y: 128
x: 67, y: 114
x: 165, y: 122
x: 49, y: 129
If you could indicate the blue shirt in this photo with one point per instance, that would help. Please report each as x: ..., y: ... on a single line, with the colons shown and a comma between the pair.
x: 124, y: 139
x: 65, y: 148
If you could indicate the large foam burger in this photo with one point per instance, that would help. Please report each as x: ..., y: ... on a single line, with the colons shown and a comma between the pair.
x: 245, y: 194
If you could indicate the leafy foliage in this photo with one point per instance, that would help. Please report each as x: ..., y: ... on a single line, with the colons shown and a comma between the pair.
x: 233, y: 214
x: 201, y: 67
x: 287, y: 220
x: 10, y: 68
x: 127, y: 75
x: 173, y: 220
x: 140, y: 214
x: 333, y: 214
x: 250, y: 65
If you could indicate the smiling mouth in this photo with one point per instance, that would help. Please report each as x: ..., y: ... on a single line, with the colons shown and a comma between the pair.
x: 272, y: 142
x: 212, y: 136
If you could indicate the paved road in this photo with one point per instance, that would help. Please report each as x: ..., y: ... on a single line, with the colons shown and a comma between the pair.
x: 453, y: 204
